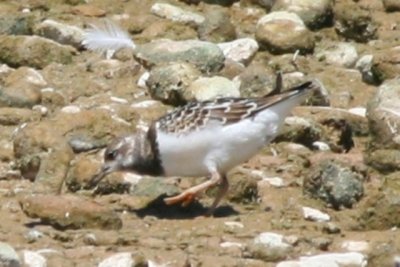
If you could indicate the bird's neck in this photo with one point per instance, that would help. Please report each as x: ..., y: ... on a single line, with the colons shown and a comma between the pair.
x: 148, y: 160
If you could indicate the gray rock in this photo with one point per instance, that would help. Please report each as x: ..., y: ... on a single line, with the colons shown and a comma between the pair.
x: 315, y: 14
x: 364, y: 65
x: 338, y: 54
x: 33, y: 51
x: 217, y: 26
x: 206, y: 56
x: 16, y: 24
x: 169, y: 82
x: 284, y: 32
x: 60, y: 32
x: 175, y: 13
x: 211, y: 88
x: 70, y: 212
x: 335, y: 184
x: 353, y: 22
x: 33, y: 235
x: 383, y: 113
x: 22, y: 88
x: 269, y: 247
x: 8, y: 256
x: 391, y: 5
x: 240, y: 50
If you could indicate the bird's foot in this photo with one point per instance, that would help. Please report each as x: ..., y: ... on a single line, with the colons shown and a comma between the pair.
x: 185, y: 198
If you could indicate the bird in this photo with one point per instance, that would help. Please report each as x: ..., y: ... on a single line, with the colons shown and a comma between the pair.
x: 204, y: 138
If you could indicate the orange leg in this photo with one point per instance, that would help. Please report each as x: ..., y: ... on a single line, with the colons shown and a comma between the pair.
x: 189, y: 194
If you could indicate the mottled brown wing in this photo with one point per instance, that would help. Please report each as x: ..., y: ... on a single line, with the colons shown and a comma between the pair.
x: 196, y: 115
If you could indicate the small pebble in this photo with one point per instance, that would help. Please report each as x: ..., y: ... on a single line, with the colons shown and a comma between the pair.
x: 315, y: 215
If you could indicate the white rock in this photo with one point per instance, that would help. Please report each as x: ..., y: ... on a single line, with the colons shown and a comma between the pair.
x: 8, y: 256
x: 205, y: 88
x: 34, y: 259
x: 132, y: 178
x: 231, y: 244
x: 364, y: 63
x: 176, y: 14
x: 143, y: 79
x: 118, y: 100
x: 339, y: 54
x: 348, y: 259
x: 61, y: 33
x: 71, y: 109
x: 234, y: 224
x: 271, y: 240
x: 321, y: 146
x: 42, y: 109
x: 306, y: 264
x: 356, y: 246
x: 315, y: 215
x: 123, y: 259
x: 5, y: 69
x: 240, y: 50
x: 272, y: 181
x: 361, y: 111
x: 283, y: 15
x: 145, y: 104
x: 294, y: 120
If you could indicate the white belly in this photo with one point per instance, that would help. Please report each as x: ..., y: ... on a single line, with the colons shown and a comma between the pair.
x: 216, y: 147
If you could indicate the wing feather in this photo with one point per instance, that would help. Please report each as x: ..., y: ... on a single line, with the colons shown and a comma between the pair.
x: 196, y: 115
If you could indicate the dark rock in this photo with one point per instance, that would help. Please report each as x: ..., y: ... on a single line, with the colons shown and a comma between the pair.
x: 70, y: 212
x: 334, y: 183
x: 256, y: 81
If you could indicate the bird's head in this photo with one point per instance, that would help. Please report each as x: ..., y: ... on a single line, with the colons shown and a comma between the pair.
x: 119, y: 155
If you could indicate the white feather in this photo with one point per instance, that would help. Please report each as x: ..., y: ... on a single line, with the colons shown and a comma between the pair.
x: 106, y: 36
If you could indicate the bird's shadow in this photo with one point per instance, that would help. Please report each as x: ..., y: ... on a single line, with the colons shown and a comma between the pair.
x: 160, y: 210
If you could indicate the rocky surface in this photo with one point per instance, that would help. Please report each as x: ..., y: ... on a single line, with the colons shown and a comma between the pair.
x: 324, y: 193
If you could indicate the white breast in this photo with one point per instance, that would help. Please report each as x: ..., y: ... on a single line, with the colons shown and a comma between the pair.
x: 216, y: 147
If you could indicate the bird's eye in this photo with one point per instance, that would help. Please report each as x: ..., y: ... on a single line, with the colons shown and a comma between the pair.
x: 110, y: 155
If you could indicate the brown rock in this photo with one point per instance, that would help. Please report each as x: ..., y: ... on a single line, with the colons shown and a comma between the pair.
x: 33, y: 51
x: 89, y: 10
x: 16, y: 116
x: 70, y: 212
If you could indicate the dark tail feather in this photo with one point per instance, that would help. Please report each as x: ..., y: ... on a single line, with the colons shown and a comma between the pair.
x: 278, y: 85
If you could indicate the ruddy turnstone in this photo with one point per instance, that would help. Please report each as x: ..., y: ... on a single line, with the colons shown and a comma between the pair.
x: 206, y: 138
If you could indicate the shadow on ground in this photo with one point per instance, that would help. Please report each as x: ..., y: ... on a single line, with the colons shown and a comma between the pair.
x: 159, y: 209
